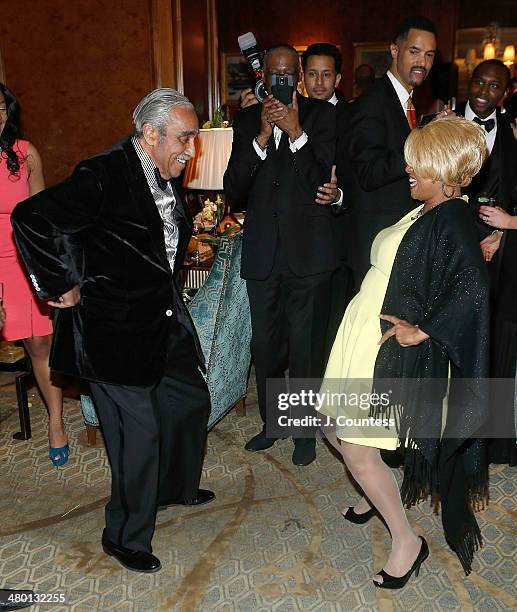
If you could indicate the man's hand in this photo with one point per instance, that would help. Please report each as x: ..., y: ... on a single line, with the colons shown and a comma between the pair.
x: 328, y: 191
x: 266, y: 127
x: 68, y: 299
x: 490, y: 245
x: 405, y: 333
x: 247, y: 98
x: 286, y: 118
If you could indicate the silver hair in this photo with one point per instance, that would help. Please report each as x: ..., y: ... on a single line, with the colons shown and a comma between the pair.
x: 155, y: 109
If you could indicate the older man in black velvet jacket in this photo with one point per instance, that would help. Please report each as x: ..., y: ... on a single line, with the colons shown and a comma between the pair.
x: 102, y: 248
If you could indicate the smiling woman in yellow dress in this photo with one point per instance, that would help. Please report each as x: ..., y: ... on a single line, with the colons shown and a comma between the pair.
x: 421, y: 313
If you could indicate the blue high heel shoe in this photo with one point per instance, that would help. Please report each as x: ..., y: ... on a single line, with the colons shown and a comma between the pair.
x: 59, y: 456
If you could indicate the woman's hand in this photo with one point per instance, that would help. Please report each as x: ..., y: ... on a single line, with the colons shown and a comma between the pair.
x: 68, y: 299
x: 445, y: 113
x: 405, y: 333
x: 490, y: 245
x: 497, y: 217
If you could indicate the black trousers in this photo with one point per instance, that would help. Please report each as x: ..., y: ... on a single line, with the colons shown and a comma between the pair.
x: 289, y: 320
x: 155, y: 439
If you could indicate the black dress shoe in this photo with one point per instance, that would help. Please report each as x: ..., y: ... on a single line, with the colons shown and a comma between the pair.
x: 304, y: 454
x: 134, y: 560
x: 260, y: 442
x: 203, y: 496
x: 8, y: 599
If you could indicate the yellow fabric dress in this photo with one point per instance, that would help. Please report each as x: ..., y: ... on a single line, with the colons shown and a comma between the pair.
x: 354, y: 352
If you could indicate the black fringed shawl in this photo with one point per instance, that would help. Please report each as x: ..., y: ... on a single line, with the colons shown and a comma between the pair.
x: 439, y: 281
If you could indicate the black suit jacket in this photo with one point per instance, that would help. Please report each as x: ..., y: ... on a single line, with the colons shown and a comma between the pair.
x: 281, y: 191
x: 101, y: 229
x: 373, y: 174
x: 342, y: 223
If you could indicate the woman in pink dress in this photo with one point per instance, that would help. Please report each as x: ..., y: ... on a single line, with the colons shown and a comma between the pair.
x: 27, y: 318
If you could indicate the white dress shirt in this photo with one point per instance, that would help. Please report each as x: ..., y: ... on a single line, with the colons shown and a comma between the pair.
x: 489, y: 136
x: 402, y: 92
x: 296, y: 146
x: 277, y: 133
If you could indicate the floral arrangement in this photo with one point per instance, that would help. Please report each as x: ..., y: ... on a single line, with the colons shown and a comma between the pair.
x: 218, y: 120
x: 213, y: 211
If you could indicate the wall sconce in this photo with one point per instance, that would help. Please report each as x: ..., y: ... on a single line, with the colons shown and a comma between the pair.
x: 509, y: 55
x: 489, y: 51
x: 470, y: 61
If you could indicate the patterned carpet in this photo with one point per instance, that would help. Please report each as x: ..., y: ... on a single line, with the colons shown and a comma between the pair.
x: 274, y: 538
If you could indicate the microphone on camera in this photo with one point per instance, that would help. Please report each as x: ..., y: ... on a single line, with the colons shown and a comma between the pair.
x: 249, y: 47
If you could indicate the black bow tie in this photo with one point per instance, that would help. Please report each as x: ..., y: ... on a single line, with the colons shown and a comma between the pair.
x: 162, y: 183
x: 489, y: 124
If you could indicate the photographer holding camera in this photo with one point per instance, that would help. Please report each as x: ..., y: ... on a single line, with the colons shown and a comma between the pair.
x: 283, y: 149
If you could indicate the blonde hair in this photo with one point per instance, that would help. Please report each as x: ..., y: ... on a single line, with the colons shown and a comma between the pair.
x: 448, y: 150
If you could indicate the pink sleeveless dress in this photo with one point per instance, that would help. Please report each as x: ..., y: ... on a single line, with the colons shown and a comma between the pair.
x: 26, y: 315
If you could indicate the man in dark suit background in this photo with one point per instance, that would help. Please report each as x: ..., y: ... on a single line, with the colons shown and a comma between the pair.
x: 103, y: 248
x: 486, y: 90
x: 364, y: 78
x: 374, y: 178
x: 280, y: 155
x: 497, y: 180
x: 321, y: 64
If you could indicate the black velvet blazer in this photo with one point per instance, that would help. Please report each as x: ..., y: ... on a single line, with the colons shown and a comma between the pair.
x: 101, y: 229
x: 281, y: 190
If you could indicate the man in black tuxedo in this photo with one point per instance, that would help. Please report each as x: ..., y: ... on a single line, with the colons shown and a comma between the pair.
x: 321, y: 63
x: 280, y: 155
x: 103, y: 248
x: 486, y: 91
x: 497, y: 180
x: 373, y: 178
